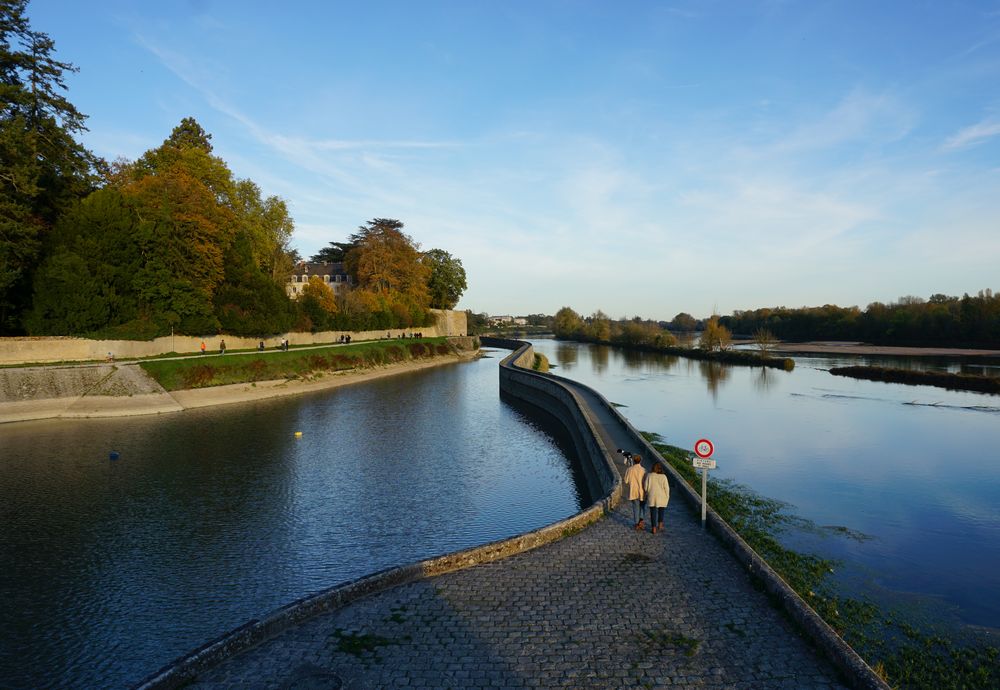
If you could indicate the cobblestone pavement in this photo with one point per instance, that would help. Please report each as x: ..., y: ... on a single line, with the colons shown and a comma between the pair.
x: 607, y: 607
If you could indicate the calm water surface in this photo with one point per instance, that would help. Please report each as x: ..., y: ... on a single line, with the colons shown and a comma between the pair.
x: 108, y: 570
x: 915, y: 469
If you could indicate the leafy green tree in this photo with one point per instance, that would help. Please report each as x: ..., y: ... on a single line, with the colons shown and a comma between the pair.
x: 72, y: 301
x: 44, y: 168
x: 598, y: 328
x: 684, y: 322
x: 98, y: 231
x: 447, y: 278
x: 267, y: 225
x: 333, y: 252
x: 642, y: 333
x: 567, y: 324
x: 477, y: 322
x: 249, y: 303
x: 188, y: 150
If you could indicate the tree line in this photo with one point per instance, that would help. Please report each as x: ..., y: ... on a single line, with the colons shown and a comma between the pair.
x: 970, y: 321
x: 600, y: 328
x: 941, y: 320
x: 170, y: 241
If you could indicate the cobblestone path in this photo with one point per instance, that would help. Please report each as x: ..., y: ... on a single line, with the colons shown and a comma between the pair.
x: 607, y: 607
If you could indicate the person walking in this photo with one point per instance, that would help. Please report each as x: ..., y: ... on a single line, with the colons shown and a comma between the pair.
x: 202, y: 347
x: 222, y: 347
x: 635, y: 486
x: 657, y: 496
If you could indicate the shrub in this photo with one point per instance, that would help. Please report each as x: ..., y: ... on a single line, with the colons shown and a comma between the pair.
x: 256, y: 369
x: 317, y: 362
x: 198, y: 376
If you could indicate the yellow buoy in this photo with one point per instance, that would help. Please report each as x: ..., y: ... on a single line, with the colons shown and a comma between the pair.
x: 298, y: 434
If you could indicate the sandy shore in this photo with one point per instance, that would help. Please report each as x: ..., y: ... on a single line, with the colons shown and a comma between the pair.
x: 86, y: 406
x: 862, y: 349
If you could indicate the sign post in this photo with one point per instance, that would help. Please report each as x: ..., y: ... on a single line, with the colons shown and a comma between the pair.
x: 703, y: 448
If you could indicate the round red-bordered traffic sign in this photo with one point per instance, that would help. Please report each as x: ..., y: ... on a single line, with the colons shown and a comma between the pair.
x: 703, y: 448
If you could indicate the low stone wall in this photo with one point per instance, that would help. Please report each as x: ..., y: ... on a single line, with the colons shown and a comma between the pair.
x: 559, y: 400
x: 32, y: 350
x: 826, y: 639
x: 594, y: 457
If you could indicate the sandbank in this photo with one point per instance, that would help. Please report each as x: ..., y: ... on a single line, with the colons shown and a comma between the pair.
x: 845, y: 348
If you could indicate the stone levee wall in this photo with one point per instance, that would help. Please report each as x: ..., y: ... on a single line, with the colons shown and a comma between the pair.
x: 559, y: 401
x: 826, y: 639
x: 588, y: 418
x: 38, y: 350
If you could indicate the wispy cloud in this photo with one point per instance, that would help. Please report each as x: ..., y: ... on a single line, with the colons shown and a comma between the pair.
x: 858, y: 116
x: 199, y: 79
x: 973, y: 135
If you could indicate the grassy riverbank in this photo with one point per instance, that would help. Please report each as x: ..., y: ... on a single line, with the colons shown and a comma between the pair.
x: 220, y: 370
x: 907, y: 656
x: 744, y: 358
x: 940, y: 379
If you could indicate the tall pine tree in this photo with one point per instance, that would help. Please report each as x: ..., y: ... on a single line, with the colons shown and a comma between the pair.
x: 43, y: 167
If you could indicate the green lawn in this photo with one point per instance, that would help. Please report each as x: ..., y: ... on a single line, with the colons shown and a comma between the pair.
x: 219, y: 370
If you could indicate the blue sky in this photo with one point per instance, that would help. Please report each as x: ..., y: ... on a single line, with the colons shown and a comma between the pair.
x: 639, y: 157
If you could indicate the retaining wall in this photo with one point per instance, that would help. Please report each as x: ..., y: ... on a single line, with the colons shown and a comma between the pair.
x: 559, y: 401
x: 37, y: 350
x: 520, y: 384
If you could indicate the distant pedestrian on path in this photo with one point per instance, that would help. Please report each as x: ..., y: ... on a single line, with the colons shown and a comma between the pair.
x: 657, y: 496
x: 202, y: 347
x: 260, y: 346
x: 635, y: 485
x: 222, y: 347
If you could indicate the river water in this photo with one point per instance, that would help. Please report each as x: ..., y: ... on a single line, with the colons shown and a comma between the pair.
x: 911, y: 472
x: 110, y: 569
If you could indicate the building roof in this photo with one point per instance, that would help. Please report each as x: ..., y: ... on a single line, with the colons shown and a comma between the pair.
x: 319, y: 268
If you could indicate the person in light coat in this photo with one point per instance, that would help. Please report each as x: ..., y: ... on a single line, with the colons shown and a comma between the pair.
x: 657, y: 496
x: 635, y: 486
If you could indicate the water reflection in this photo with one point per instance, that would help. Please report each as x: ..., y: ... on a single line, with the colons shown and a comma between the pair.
x: 599, y: 358
x: 566, y: 355
x: 913, y: 466
x: 764, y: 379
x: 211, y: 517
x: 715, y: 374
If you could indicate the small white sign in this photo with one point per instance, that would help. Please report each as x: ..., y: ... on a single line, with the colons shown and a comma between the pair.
x: 703, y: 463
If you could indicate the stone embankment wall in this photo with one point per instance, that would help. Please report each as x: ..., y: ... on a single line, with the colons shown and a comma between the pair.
x: 526, y: 385
x: 93, y: 390
x: 558, y: 401
x: 39, y: 350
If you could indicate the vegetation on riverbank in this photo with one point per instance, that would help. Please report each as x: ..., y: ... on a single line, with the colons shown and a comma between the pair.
x: 649, y: 336
x: 906, y: 656
x: 955, y: 382
x: 541, y: 363
x: 941, y: 320
x: 219, y: 370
